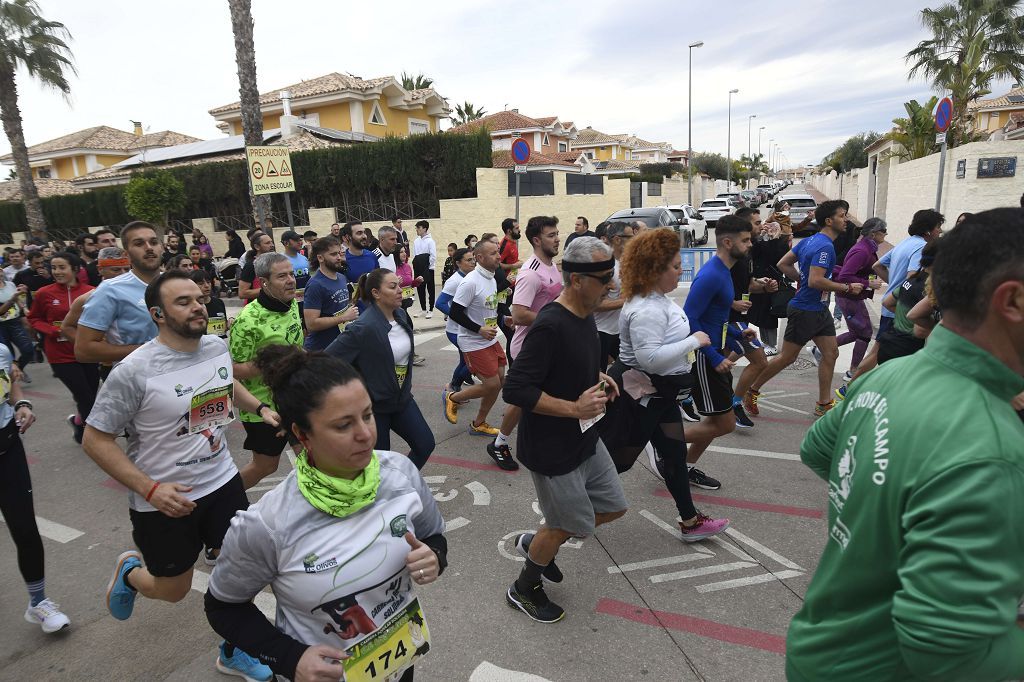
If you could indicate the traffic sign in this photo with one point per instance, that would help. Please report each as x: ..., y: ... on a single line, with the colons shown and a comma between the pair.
x: 520, y: 169
x: 270, y: 169
x: 520, y: 151
x: 943, y: 114
x: 940, y: 138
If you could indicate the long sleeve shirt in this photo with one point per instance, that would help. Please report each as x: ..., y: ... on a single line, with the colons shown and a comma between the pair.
x: 857, y: 267
x: 708, y: 305
x: 50, y: 306
x: 654, y: 335
x: 425, y: 245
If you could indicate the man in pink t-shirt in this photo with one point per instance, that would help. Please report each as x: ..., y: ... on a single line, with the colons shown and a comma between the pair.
x: 539, y: 283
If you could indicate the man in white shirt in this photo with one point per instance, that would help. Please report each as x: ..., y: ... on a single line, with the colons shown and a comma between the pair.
x: 607, y: 314
x: 387, y: 238
x: 423, y: 261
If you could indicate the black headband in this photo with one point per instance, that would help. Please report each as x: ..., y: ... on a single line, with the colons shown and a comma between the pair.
x: 593, y: 266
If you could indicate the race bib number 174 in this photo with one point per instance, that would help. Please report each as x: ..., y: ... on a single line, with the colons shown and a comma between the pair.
x: 388, y: 652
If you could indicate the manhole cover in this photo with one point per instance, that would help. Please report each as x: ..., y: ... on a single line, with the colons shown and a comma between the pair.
x: 801, y: 363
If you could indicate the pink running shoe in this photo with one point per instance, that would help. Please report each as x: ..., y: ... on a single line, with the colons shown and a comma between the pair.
x: 703, y: 529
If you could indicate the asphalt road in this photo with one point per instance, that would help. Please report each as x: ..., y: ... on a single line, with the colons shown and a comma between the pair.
x: 641, y: 605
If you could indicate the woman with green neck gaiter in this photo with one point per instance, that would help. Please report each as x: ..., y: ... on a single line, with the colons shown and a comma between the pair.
x: 344, y: 540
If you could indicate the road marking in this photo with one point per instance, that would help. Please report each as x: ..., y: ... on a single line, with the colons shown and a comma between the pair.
x: 703, y: 570
x: 291, y: 454
x: 488, y: 672
x: 732, y: 549
x: 758, y: 547
x: 754, y: 453
x: 673, y: 531
x: 263, y: 601
x: 755, y: 639
x: 654, y: 563
x: 427, y: 336
x: 481, y: 495
x: 451, y: 348
x: 750, y: 504
x: 56, y: 531
x: 455, y: 524
x: 781, y: 407
x: 467, y: 464
x: 743, y: 582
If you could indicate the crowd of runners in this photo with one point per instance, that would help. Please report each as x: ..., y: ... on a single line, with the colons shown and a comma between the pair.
x: 597, y: 366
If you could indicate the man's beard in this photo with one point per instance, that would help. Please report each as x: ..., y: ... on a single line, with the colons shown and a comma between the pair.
x: 549, y: 253
x: 186, y: 331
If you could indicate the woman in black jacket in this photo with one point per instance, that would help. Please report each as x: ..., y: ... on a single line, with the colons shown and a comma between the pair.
x: 767, y: 251
x: 379, y: 344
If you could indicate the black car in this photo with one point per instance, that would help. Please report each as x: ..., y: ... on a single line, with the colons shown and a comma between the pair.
x: 662, y: 216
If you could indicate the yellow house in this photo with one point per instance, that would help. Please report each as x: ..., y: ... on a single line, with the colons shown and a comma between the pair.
x: 378, y: 106
x: 76, y: 154
x: 990, y: 115
x: 598, y: 146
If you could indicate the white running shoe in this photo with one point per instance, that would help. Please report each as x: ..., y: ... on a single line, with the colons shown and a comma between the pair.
x: 652, y: 457
x: 815, y: 355
x: 47, y: 615
x: 430, y: 314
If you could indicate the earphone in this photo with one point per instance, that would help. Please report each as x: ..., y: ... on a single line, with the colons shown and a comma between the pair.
x: 158, y: 312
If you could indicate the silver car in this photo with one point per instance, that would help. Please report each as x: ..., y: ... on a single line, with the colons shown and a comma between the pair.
x: 713, y: 209
x: 799, y: 205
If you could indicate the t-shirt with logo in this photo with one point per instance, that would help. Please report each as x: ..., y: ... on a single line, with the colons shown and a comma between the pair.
x: 330, y: 297
x: 118, y: 309
x: 449, y: 289
x: 336, y: 580
x: 257, y: 327
x: 300, y: 268
x: 608, y: 320
x: 902, y: 259
x: 818, y: 252
x: 175, y: 407
x: 537, y: 285
x: 479, y: 296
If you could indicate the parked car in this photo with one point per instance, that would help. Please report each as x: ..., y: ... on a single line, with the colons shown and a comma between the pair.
x: 733, y: 197
x: 768, y: 190
x: 800, y: 205
x: 694, y: 219
x: 713, y: 209
x: 661, y: 216
x: 751, y: 197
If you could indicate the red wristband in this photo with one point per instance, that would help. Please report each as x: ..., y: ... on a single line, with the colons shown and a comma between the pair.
x: 152, y: 490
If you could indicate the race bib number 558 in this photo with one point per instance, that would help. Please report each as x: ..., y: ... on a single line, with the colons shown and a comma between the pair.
x: 211, y: 408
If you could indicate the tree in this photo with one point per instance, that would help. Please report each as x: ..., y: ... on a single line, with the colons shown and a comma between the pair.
x: 249, y: 96
x: 750, y: 167
x: 420, y: 82
x: 12, y: 174
x: 973, y: 44
x: 153, y: 196
x: 915, y: 134
x: 466, y: 112
x: 29, y: 41
x: 851, y: 153
x: 714, y: 166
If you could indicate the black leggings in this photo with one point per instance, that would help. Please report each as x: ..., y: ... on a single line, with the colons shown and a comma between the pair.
x: 16, y: 504
x: 83, y: 380
x: 423, y: 289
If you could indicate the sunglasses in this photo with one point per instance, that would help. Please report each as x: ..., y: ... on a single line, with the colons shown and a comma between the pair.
x: 603, y: 279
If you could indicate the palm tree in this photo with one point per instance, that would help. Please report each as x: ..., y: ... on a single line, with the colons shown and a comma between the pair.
x: 973, y: 44
x: 466, y: 112
x: 249, y: 95
x: 420, y: 82
x: 916, y: 133
x: 29, y: 41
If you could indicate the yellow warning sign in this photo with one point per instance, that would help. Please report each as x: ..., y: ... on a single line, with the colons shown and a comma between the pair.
x: 270, y: 170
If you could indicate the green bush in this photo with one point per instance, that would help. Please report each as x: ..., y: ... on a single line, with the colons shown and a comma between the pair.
x: 154, y: 195
x: 664, y: 170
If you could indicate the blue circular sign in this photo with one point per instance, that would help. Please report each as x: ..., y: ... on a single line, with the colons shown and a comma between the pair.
x: 943, y: 114
x: 520, y: 151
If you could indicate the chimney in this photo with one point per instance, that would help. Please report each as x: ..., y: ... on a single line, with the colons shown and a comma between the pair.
x: 515, y: 111
x: 288, y: 122
x: 286, y: 102
x: 138, y: 128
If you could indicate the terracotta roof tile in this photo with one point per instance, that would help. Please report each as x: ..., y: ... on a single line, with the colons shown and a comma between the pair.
x: 502, y: 158
x: 547, y: 120
x: 98, y: 137
x: 165, y: 138
x: 1001, y: 101
x: 589, y: 137
x: 11, y: 190
x: 500, y: 121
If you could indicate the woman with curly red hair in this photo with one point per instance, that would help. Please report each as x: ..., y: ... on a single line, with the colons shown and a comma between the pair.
x: 655, y: 355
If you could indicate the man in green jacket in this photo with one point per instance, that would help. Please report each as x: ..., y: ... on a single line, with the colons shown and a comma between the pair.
x: 924, y: 563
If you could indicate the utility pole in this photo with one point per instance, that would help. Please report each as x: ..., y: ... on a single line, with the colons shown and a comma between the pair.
x: 750, y: 160
x: 728, y: 147
x: 689, y: 127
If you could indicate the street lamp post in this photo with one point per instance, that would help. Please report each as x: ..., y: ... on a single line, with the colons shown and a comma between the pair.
x: 728, y: 146
x: 749, y: 150
x: 759, y: 131
x: 689, y: 126
x: 771, y: 144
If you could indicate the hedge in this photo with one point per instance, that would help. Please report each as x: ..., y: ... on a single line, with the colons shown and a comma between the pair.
x: 413, y: 171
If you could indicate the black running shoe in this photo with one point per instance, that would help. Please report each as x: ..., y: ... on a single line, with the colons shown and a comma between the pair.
x: 742, y: 420
x: 689, y: 411
x: 702, y: 480
x: 536, y: 604
x: 551, y: 572
x: 502, y: 456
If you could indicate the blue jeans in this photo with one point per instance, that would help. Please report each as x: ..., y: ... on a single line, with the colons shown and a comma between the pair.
x: 461, y: 373
x: 411, y: 427
x: 14, y: 334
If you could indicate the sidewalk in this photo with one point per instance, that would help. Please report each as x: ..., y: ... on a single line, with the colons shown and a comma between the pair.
x: 819, y: 197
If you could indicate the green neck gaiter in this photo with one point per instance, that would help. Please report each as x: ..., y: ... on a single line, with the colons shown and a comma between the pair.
x: 338, y: 496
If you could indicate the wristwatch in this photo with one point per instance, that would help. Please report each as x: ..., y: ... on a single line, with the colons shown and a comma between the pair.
x: 26, y: 403
x: 259, y: 408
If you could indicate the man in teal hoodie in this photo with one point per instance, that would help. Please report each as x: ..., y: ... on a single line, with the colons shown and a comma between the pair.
x: 924, y: 563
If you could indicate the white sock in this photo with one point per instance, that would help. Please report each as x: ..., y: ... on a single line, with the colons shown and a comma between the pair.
x: 500, y: 439
x: 689, y: 467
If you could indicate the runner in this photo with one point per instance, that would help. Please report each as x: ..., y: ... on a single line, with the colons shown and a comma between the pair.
x: 857, y: 267
x: 464, y: 262
x: 707, y: 306
x: 921, y: 573
x: 900, y: 339
x: 474, y: 310
x: 744, y: 284
x: 358, y: 258
x: 449, y: 263
x: 248, y: 282
x: 175, y: 397
x: 317, y: 539
x: 539, y: 282
x: 617, y: 235
x: 654, y: 367
x: 387, y: 238
x: 115, y: 320
x: 16, y: 506
x: 508, y: 248
x: 328, y: 305
x: 809, y: 318
x: 217, y: 322
x: 423, y: 262
x: 380, y: 345
x: 292, y: 242
x: 273, y: 318
x: 558, y: 383
x: 50, y: 306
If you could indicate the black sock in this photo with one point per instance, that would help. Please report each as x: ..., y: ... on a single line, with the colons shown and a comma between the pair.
x: 125, y: 578
x: 529, y: 577
x: 229, y: 650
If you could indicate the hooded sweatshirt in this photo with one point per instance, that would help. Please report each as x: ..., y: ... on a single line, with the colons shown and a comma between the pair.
x: 50, y: 306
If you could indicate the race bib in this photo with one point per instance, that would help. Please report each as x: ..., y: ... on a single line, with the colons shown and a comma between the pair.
x: 503, y: 296
x: 56, y: 323
x: 691, y: 357
x: 401, y: 371
x: 491, y: 322
x: 11, y: 313
x: 5, y: 385
x: 384, y: 655
x: 512, y: 275
x: 217, y: 326
x: 725, y: 329
x: 825, y: 297
x: 299, y: 293
x: 587, y: 423
x: 408, y: 292
x: 210, y: 409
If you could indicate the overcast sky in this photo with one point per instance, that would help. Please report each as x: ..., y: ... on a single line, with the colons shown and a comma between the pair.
x: 813, y: 71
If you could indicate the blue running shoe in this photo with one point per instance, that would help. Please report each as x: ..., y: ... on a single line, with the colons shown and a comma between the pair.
x: 841, y: 392
x: 121, y: 595
x: 243, y: 665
